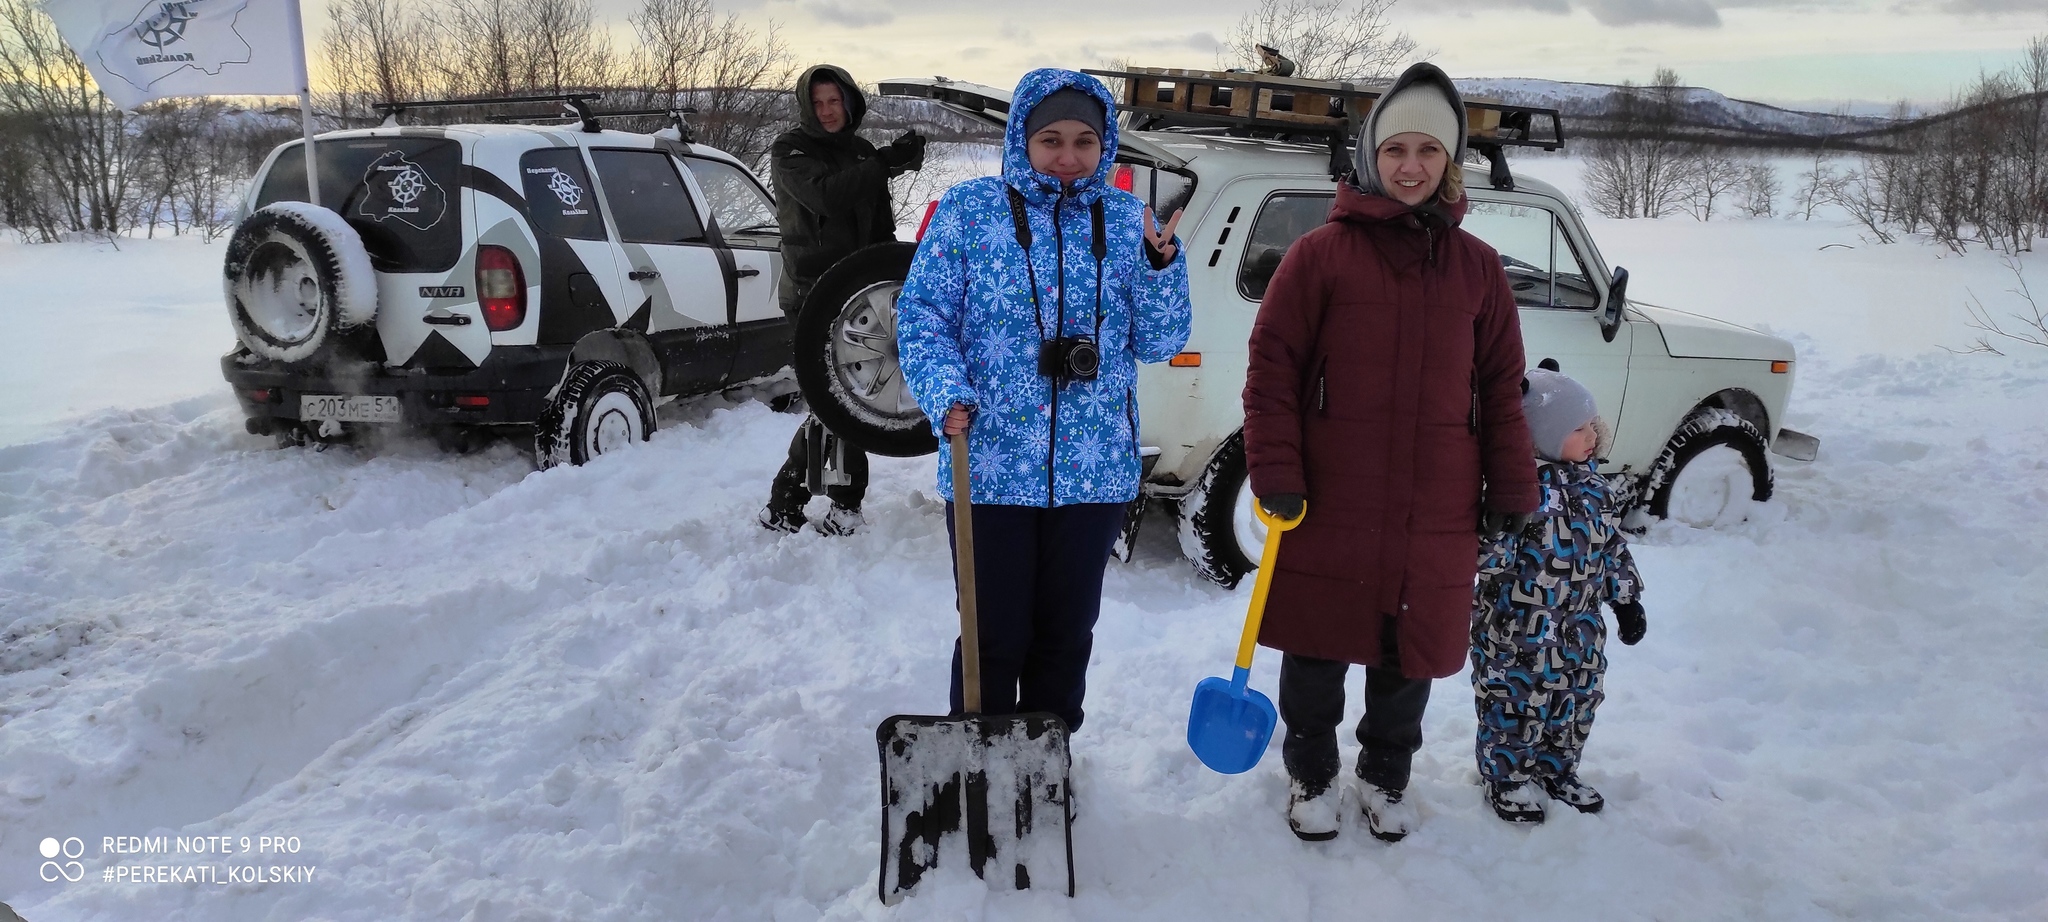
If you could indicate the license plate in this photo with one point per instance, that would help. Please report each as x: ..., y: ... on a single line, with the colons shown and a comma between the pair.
x: 345, y: 408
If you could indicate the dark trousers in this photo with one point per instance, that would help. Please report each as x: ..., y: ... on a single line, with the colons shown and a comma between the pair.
x: 789, y: 493
x: 1312, y: 705
x: 1038, y: 579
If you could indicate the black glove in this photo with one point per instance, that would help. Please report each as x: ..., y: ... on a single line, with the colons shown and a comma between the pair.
x: 1287, y: 506
x: 906, y: 152
x: 1157, y: 257
x: 1628, y: 617
x: 1493, y: 522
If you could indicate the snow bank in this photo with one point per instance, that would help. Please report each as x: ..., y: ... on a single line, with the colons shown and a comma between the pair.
x: 473, y: 691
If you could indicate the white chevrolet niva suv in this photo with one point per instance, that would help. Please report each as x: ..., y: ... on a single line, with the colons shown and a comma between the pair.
x: 562, y: 279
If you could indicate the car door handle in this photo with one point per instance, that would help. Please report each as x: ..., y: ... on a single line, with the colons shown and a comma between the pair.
x: 745, y: 273
x: 643, y: 275
x: 446, y: 319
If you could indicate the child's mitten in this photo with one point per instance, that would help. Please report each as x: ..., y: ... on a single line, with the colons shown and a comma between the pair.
x: 1629, y: 617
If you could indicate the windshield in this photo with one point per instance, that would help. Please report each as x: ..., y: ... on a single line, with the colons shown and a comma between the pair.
x: 1542, y: 268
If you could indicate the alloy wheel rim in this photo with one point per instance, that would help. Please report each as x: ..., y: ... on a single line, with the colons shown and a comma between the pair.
x: 864, y: 360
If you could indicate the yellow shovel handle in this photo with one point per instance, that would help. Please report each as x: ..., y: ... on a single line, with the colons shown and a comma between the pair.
x: 1267, y: 555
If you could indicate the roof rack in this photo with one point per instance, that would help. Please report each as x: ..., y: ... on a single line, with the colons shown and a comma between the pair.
x: 1331, y: 111
x: 578, y: 103
x: 679, y: 115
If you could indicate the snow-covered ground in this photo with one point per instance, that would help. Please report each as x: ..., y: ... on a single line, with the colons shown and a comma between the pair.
x: 476, y: 692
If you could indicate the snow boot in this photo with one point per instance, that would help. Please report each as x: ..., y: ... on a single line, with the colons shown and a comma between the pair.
x: 1571, y: 790
x: 1387, y: 816
x: 788, y: 522
x: 841, y: 521
x: 1515, y: 801
x: 1312, y: 810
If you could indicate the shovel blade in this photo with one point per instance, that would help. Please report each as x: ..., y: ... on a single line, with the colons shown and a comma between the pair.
x: 1229, y: 730
x: 985, y: 792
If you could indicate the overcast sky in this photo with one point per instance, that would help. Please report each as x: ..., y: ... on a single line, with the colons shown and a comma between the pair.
x: 1781, y: 51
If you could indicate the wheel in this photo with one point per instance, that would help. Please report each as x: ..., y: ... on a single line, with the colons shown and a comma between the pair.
x: 1218, y: 529
x: 601, y: 407
x: 845, y: 342
x: 1714, y: 467
x: 296, y: 278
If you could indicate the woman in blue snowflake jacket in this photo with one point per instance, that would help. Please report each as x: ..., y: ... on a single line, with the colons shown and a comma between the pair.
x: 1017, y: 280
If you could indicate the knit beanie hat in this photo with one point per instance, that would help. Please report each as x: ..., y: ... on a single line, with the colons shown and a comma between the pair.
x: 1555, y: 405
x: 1417, y: 107
x: 1068, y: 103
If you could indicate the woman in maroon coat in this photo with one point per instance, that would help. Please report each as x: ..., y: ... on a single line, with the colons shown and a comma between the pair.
x: 1384, y: 393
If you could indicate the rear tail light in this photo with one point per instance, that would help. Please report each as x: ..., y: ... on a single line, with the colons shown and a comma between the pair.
x: 263, y: 395
x: 500, y: 288
x: 1126, y: 178
x: 929, y: 209
x: 472, y: 400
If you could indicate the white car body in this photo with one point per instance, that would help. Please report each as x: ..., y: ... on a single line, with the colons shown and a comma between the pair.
x: 1660, y: 365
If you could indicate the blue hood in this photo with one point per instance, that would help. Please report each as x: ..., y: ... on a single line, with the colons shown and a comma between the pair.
x: 1037, y: 187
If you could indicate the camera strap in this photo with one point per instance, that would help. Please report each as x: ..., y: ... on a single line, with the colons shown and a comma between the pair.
x: 1098, y: 247
x: 1101, y: 248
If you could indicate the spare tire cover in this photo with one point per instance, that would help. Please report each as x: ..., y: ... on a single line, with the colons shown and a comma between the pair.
x: 295, y: 275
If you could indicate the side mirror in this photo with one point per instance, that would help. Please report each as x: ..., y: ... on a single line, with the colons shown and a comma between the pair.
x: 1617, y: 301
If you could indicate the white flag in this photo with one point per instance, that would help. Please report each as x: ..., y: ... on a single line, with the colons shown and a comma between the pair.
x: 141, y: 50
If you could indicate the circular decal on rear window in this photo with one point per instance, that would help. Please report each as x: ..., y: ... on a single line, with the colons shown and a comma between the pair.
x: 399, y: 189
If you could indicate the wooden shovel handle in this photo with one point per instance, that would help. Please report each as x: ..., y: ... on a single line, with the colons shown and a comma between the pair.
x: 963, y: 564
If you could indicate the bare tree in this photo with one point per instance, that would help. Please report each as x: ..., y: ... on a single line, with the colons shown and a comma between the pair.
x: 378, y: 51
x: 565, y: 45
x: 737, y: 78
x: 1327, y: 39
x: 1760, y: 189
x: 1638, y: 171
x: 1818, y: 185
x: 2029, y: 327
x: 72, y: 158
x: 1708, y: 176
x: 675, y: 41
x: 1862, y: 193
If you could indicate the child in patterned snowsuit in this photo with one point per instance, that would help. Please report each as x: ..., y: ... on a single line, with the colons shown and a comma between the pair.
x: 1537, y: 634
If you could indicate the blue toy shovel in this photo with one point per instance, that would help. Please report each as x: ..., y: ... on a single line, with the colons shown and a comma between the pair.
x: 1229, y: 725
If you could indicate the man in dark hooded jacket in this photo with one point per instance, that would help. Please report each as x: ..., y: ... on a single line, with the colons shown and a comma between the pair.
x: 831, y: 198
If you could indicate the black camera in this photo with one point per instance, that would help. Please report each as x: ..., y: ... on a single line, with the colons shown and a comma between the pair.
x: 1069, y: 358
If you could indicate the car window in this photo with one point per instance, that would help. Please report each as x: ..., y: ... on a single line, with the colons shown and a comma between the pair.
x: 1282, y: 219
x: 648, y: 200
x: 402, y: 195
x: 1542, y: 269
x: 737, y: 202
x: 558, y: 193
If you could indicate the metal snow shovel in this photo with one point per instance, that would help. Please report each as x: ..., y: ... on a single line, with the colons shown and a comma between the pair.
x: 989, y: 791
x: 1229, y: 725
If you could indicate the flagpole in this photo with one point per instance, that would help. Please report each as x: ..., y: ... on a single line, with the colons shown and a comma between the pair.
x: 298, y: 31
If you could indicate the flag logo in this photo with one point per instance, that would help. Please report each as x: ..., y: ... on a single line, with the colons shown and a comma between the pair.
x: 565, y: 189
x: 166, y: 27
x: 139, y: 50
x: 399, y: 189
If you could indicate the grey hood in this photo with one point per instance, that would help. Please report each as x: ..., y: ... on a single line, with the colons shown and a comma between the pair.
x: 1364, y: 159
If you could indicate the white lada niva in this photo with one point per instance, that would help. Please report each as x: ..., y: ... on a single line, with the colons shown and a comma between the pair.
x: 1696, y: 405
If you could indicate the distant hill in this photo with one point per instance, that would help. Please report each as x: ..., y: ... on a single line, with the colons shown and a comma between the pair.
x: 1585, y: 105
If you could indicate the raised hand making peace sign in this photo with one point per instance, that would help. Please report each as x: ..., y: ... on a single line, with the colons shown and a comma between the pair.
x: 1159, y: 244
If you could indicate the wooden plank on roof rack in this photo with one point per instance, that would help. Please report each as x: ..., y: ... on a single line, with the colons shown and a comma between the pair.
x: 1292, y: 105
